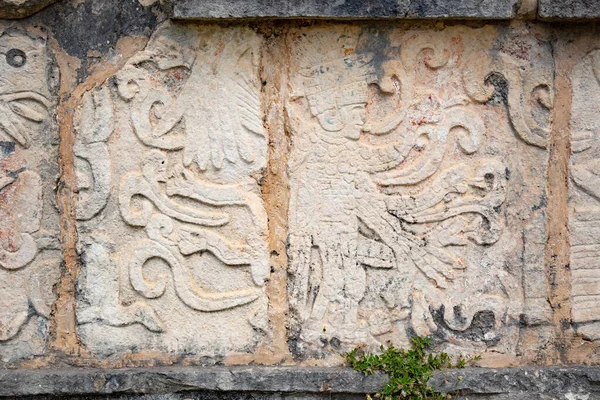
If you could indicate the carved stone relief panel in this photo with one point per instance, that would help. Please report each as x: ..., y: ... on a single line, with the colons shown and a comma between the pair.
x: 29, y: 245
x: 584, y: 196
x: 417, y: 178
x: 172, y: 226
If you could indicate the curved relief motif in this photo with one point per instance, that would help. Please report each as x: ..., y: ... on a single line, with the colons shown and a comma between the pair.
x: 586, y: 175
x: 27, y: 269
x: 433, y: 48
x: 431, y: 140
x: 189, y: 239
x: 525, y: 87
x: 100, y: 284
x: 26, y: 192
x: 94, y: 127
x: 192, y: 296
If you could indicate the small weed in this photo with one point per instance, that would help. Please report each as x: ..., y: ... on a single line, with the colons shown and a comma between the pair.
x: 409, y: 370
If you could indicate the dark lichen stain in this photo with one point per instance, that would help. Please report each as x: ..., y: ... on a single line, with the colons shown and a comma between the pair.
x: 542, y: 204
x: 6, y: 149
x: 481, y: 328
x: 500, y: 84
x: 98, y: 25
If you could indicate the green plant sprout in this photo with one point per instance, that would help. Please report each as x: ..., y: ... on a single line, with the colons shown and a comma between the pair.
x: 409, y: 370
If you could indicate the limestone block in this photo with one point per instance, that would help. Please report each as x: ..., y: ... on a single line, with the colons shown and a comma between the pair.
x: 584, y: 196
x: 29, y: 245
x: 225, y: 9
x: 569, y: 9
x: 172, y: 226
x: 21, y: 8
x: 417, y: 176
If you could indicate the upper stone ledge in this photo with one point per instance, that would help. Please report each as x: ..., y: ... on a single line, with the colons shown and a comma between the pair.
x: 12, y: 9
x: 569, y: 9
x: 348, y: 9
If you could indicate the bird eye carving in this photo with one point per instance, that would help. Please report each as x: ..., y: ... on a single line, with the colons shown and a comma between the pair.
x: 16, y: 58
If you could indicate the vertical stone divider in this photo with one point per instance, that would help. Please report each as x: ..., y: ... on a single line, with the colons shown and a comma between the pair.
x: 274, y: 76
x: 63, y: 334
x: 557, y: 249
x: 63, y: 337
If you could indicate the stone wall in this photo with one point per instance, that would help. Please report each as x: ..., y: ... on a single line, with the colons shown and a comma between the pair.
x: 189, y: 184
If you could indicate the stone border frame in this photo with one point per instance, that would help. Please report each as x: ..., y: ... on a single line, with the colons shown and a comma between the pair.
x: 564, y: 382
x: 367, y: 9
x: 388, y: 9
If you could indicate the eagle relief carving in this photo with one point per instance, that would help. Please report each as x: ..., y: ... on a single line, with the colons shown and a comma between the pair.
x: 399, y: 179
x: 180, y: 259
x: 584, y: 196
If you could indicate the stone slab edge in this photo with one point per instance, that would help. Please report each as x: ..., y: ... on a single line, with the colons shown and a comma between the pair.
x: 175, y: 379
x: 569, y: 9
x: 160, y: 380
x: 387, y: 9
x: 346, y: 9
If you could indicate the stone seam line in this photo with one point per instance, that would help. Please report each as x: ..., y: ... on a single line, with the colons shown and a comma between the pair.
x: 557, y: 249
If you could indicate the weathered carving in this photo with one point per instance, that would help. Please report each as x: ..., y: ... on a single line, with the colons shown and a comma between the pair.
x: 100, y: 284
x: 185, y: 240
x: 28, y: 223
x: 585, y: 196
x: 392, y: 212
x: 94, y: 126
x: 527, y: 91
x: 186, y: 222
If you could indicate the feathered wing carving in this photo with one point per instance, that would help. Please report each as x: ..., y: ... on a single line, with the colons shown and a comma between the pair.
x: 211, y: 138
x: 215, y: 138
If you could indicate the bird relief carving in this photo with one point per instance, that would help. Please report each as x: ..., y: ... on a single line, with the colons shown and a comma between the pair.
x: 392, y: 192
x: 192, y: 99
x: 584, y: 195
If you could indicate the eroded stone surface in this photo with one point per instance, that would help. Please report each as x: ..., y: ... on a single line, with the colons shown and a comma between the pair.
x: 172, y: 225
x: 29, y: 246
x: 566, y: 9
x: 21, y: 8
x: 298, y: 383
x: 585, y: 196
x: 417, y: 176
x: 223, y: 9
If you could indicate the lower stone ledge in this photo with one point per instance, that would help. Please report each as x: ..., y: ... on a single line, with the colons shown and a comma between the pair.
x: 255, y: 382
x: 162, y: 380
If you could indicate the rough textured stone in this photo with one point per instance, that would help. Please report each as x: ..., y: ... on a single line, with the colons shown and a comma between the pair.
x: 173, y: 236
x: 177, y: 379
x: 212, y: 395
x: 569, y: 9
x: 92, y: 31
x: 564, y: 383
x: 225, y: 9
x: 21, y: 8
x: 568, y: 383
x: 417, y: 175
x: 29, y: 246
